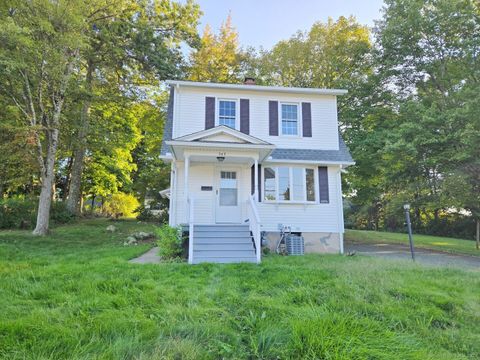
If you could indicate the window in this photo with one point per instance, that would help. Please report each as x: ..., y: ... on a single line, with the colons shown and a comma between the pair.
x: 298, y: 184
x: 310, y: 184
x: 227, y: 110
x: 269, y: 184
x: 284, y: 183
x: 228, y: 188
x: 289, y: 184
x: 289, y: 119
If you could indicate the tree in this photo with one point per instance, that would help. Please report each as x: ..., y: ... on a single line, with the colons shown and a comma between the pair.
x: 428, y: 53
x: 151, y: 175
x: 219, y: 58
x: 41, y: 41
x: 131, y: 43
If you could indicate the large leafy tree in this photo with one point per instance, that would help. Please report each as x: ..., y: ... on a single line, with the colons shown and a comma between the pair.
x: 132, y: 43
x: 219, y: 57
x: 428, y: 54
x: 41, y: 42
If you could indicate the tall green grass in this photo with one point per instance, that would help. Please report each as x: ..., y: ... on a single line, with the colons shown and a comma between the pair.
x: 73, y: 295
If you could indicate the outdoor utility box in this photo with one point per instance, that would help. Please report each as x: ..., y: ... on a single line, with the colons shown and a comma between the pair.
x: 295, y: 244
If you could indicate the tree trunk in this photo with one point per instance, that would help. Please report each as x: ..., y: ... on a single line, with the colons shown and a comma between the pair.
x: 48, y: 179
x: 74, y: 191
x: 93, y: 203
x: 66, y: 185
x: 478, y: 234
x: 47, y: 166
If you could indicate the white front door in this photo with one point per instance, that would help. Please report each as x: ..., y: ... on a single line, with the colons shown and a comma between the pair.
x: 227, y: 209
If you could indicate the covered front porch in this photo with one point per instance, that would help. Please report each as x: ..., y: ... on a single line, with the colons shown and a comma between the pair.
x: 214, y: 182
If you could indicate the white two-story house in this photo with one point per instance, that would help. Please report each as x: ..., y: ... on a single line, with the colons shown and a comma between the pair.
x: 249, y: 160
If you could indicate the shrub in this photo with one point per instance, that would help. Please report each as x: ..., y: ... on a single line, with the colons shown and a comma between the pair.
x: 16, y: 213
x: 145, y: 214
x: 121, y: 204
x: 21, y: 213
x: 59, y: 213
x: 169, y: 241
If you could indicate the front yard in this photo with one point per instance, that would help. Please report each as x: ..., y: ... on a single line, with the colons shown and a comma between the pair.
x: 73, y: 295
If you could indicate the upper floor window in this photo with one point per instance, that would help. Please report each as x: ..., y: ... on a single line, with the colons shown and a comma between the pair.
x: 227, y: 113
x: 289, y: 116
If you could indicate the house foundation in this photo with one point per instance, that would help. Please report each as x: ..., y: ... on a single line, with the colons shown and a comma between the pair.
x: 315, y: 242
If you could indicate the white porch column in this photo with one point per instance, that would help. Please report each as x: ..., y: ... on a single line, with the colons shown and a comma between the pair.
x: 255, y: 180
x: 173, y: 190
x: 185, y: 184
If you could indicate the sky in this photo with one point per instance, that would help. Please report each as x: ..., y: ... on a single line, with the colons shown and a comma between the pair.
x: 265, y: 22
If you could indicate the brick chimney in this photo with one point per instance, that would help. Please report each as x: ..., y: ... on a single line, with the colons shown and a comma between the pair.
x: 249, y: 81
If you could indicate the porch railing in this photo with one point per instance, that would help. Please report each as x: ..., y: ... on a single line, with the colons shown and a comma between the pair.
x: 255, y: 226
x: 191, y: 205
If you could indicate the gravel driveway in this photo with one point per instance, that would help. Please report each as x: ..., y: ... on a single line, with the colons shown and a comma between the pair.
x: 422, y: 256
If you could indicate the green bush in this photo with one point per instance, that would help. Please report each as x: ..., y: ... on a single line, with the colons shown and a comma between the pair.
x: 145, y: 214
x: 170, y: 242
x: 121, y: 205
x: 21, y: 213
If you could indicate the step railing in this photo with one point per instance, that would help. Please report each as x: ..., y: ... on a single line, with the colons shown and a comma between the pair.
x: 191, y: 205
x: 255, y: 226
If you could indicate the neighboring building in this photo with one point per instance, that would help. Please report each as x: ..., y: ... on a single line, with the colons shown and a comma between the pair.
x: 247, y: 160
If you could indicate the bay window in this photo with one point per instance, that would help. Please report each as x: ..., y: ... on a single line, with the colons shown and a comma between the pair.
x: 289, y: 184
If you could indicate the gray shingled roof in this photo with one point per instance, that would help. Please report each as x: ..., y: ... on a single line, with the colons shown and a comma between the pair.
x: 168, y: 128
x: 341, y: 155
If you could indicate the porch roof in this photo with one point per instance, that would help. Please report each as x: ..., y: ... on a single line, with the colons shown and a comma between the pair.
x: 220, y: 141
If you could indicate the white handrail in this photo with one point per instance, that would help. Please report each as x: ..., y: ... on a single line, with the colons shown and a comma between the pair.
x: 191, y: 202
x: 255, y: 226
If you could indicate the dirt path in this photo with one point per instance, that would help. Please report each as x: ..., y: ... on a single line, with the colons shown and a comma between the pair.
x: 422, y: 256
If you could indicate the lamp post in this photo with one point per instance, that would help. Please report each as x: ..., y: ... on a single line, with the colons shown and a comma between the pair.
x: 406, y: 207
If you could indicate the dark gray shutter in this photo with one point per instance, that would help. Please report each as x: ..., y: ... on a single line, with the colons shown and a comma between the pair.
x: 245, y: 116
x: 209, y: 112
x: 273, y: 117
x: 323, y: 184
x: 307, y: 119
x: 259, y: 181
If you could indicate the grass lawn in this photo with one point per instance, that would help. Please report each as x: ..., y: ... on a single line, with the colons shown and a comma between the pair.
x: 73, y: 295
x: 445, y: 244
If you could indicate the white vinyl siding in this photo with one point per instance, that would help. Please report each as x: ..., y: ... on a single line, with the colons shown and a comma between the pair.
x: 306, y: 217
x: 189, y: 116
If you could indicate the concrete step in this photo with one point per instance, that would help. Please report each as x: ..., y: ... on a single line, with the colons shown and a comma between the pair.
x: 222, y: 246
x: 198, y: 260
x: 223, y: 253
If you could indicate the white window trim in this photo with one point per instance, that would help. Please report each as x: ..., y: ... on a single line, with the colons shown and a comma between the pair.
x: 304, y: 175
x: 299, y: 119
x: 237, y: 112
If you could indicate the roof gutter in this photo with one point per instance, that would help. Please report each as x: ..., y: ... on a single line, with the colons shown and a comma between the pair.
x: 281, y: 89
